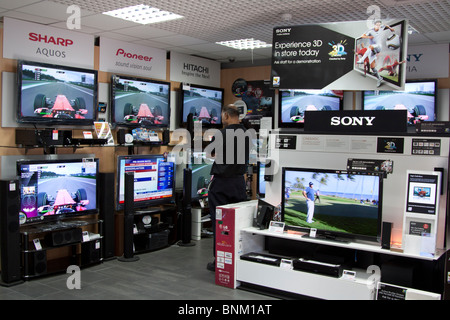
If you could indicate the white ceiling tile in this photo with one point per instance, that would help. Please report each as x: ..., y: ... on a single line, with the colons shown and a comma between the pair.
x: 145, y: 32
x: 29, y: 17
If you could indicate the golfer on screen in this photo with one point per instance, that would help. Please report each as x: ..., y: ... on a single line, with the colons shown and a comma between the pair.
x: 309, y: 194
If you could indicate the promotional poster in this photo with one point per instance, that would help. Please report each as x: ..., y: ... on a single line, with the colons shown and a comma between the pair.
x: 363, y: 55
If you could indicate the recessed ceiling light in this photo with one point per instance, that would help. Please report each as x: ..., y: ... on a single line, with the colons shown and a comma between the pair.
x: 143, y: 14
x: 244, y: 44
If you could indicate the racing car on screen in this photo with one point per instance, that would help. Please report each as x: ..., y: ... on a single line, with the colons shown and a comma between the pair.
x: 299, y: 116
x: 64, y: 202
x: 143, y: 115
x: 61, y: 107
x: 415, y: 115
x: 204, y: 115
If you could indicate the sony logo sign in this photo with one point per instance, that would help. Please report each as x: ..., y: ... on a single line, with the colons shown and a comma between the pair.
x: 352, y: 121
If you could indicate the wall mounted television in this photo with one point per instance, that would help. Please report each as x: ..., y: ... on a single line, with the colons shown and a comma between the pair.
x: 54, y: 189
x: 139, y: 102
x: 205, y: 104
x: 54, y: 94
x: 294, y: 102
x: 154, y: 180
x: 347, y: 205
x: 418, y: 98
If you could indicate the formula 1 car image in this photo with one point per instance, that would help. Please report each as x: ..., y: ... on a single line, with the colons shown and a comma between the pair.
x: 64, y: 202
x: 143, y: 115
x: 62, y: 107
x: 415, y: 115
x: 299, y: 116
x: 204, y: 115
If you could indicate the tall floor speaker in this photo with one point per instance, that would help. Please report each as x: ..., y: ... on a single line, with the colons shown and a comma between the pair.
x: 9, y: 233
x: 128, y: 252
x: 186, y: 214
x: 106, y: 206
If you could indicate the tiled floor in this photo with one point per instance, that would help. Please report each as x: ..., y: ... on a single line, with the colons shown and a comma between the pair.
x: 173, y: 273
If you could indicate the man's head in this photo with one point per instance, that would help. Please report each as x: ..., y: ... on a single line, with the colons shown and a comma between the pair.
x: 311, y: 184
x: 230, y: 115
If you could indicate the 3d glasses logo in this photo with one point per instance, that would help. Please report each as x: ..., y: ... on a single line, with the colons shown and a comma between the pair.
x: 338, y: 49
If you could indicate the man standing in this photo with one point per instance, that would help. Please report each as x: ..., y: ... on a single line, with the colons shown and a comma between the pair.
x: 309, y: 194
x: 231, y: 156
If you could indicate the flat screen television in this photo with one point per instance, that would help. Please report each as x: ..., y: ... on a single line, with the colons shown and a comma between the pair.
x: 139, y: 102
x: 205, y: 104
x: 418, y: 98
x: 343, y: 205
x: 201, y: 175
x: 294, y: 102
x: 154, y: 180
x: 54, y: 94
x: 52, y: 189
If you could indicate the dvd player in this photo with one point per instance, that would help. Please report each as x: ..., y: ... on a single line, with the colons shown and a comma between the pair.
x: 262, y: 258
x: 312, y: 266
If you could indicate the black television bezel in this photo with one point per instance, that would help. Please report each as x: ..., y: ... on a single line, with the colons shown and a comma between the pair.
x: 146, y: 203
x: 324, y: 234
x: 436, y: 107
x: 123, y: 124
x: 56, y: 217
x: 54, y: 121
x: 293, y: 124
x: 183, y: 123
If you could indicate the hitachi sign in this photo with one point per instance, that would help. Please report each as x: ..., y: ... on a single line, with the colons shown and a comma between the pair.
x: 352, y: 121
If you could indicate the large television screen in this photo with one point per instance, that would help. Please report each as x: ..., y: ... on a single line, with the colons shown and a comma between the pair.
x: 339, y: 204
x: 154, y: 179
x: 51, y: 189
x: 205, y: 104
x: 52, y: 94
x: 140, y: 102
x: 418, y: 98
x: 260, y: 183
x: 294, y: 102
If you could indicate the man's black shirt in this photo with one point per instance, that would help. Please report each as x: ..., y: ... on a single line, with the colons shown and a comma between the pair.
x: 237, y: 165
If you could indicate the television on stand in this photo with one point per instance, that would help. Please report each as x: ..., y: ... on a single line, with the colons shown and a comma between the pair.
x: 56, y: 189
x: 419, y: 99
x: 154, y: 180
x: 294, y: 102
x: 341, y: 205
x: 201, y: 175
x: 56, y: 95
x: 204, y: 103
x: 138, y: 102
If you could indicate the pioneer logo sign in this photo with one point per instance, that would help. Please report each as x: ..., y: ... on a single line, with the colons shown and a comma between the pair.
x: 355, y: 121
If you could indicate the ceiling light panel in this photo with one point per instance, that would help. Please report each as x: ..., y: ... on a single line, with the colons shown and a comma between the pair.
x: 245, y: 44
x: 143, y: 14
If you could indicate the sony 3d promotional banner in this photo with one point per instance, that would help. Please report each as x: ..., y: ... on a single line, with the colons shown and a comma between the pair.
x: 359, y: 55
x: 348, y: 121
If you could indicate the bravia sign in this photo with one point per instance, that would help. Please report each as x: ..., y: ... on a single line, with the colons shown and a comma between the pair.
x: 356, y: 121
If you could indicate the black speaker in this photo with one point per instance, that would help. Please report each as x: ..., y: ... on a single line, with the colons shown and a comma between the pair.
x: 269, y: 170
x: 186, y: 215
x: 90, y: 252
x: 37, y: 262
x: 63, y: 237
x: 106, y: 214
x: 9, y: 232
x: 121, y: 136
x: 386, y: 235
x: 128, y: 252
x: 166, y: 137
